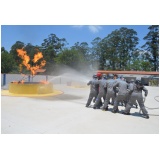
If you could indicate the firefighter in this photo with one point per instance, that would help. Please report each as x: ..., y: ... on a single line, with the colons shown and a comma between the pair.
x: 101, y: 93
x: 136, y: 94
x: 110, y: 93
x: 121, y: 95
x: 99, y: 75
x: 93, y: 89
x: 130, y: 86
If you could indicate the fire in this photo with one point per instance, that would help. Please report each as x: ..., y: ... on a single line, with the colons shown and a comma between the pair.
x: 43, y: 63
x: 22, y: 81
x: 44, y: 82
x: 15, y: 82
x: 23, y: 55
x: 37, y: 56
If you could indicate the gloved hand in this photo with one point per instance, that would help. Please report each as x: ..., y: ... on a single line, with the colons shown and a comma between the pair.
x: 128, y: 91
x: 144, y: 98
x: 117, y: 89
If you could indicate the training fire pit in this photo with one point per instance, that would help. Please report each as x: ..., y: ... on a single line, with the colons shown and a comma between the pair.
x: 21, y: 87
x: 30, y: 88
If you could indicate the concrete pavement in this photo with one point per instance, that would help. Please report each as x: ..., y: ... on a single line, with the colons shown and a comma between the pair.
x: 67, y: 114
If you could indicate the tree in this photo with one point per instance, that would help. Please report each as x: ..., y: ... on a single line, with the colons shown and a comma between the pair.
x: 31, y: 50
x: 7, y: 61
x: 71, y: 58
x: 110, y: 50
x: 52, y: 46
x: 95, y: 53
x: 139, y: 61
x: 128, y: 43
x: 146, y: 66
x: 152, y: 46
x: 118, y: 48
x: 82, y: 49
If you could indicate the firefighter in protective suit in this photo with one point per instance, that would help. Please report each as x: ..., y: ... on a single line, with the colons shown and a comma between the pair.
x: 136, y: 94
x: 130, y: 86
x: 93, y: 89
x: 101, y: 93
x: 122, y: 94
x: 110, y: 93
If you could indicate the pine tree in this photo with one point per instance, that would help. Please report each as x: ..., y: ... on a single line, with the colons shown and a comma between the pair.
x: 152, y: 46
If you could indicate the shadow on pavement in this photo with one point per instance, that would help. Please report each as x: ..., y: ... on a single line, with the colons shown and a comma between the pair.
x: 62, y: 97
x: 136, y: 114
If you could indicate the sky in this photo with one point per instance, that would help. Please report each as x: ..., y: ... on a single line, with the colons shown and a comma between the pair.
x: 35, y: 34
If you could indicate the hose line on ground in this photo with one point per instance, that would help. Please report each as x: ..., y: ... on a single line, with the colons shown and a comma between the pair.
x: 151, y: 108
x: 156, y: 99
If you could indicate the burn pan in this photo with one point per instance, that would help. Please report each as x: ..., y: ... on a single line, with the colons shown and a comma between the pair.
x: 30, y: 88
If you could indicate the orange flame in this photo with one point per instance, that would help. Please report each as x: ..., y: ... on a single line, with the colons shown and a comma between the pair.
x: 37, y: 56
x: 44, y: 82
x: 15, y: 82
x: 22, y: 81
x: 23, y: 55
x: 43, y: 63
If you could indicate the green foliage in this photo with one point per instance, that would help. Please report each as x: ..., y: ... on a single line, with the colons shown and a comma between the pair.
x: 52, y: 46
x: 154, y: 82
x: 82, y: 49
x: 31, y: 50
x: 152, y: 46
x: 13, y: 51
x: 71, y: 58
x: 7, y: 61
x: 116, y: 51
x: 146, y: 66
x: 140, y: 65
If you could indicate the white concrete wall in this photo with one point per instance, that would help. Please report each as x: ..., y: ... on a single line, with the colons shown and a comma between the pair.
x: 37, y: 78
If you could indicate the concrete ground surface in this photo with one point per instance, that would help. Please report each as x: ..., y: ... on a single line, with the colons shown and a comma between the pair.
x: 67, y: 114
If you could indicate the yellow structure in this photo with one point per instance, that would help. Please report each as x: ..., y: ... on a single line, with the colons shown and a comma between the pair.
x: 30, y: 88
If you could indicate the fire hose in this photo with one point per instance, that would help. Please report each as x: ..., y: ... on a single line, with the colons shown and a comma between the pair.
x: 144, y: 99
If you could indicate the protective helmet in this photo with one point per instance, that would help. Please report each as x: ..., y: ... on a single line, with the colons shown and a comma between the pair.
x: 99, y: 75
x: 121, y: 76
x: 104, y: 76
x: 94, y: 76
x: 138, y: 82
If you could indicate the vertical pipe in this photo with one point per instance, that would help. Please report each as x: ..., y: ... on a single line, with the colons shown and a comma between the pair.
x: 46, y: 77
x: 4, y: 79
x: 29, y: 78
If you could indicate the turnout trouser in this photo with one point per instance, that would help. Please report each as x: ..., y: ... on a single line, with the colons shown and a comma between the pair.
x: 132, y: 100
x: 109, y: 95
x: 119, y: 98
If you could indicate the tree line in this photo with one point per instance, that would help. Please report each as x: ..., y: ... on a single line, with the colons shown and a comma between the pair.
x: 117, y: 51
